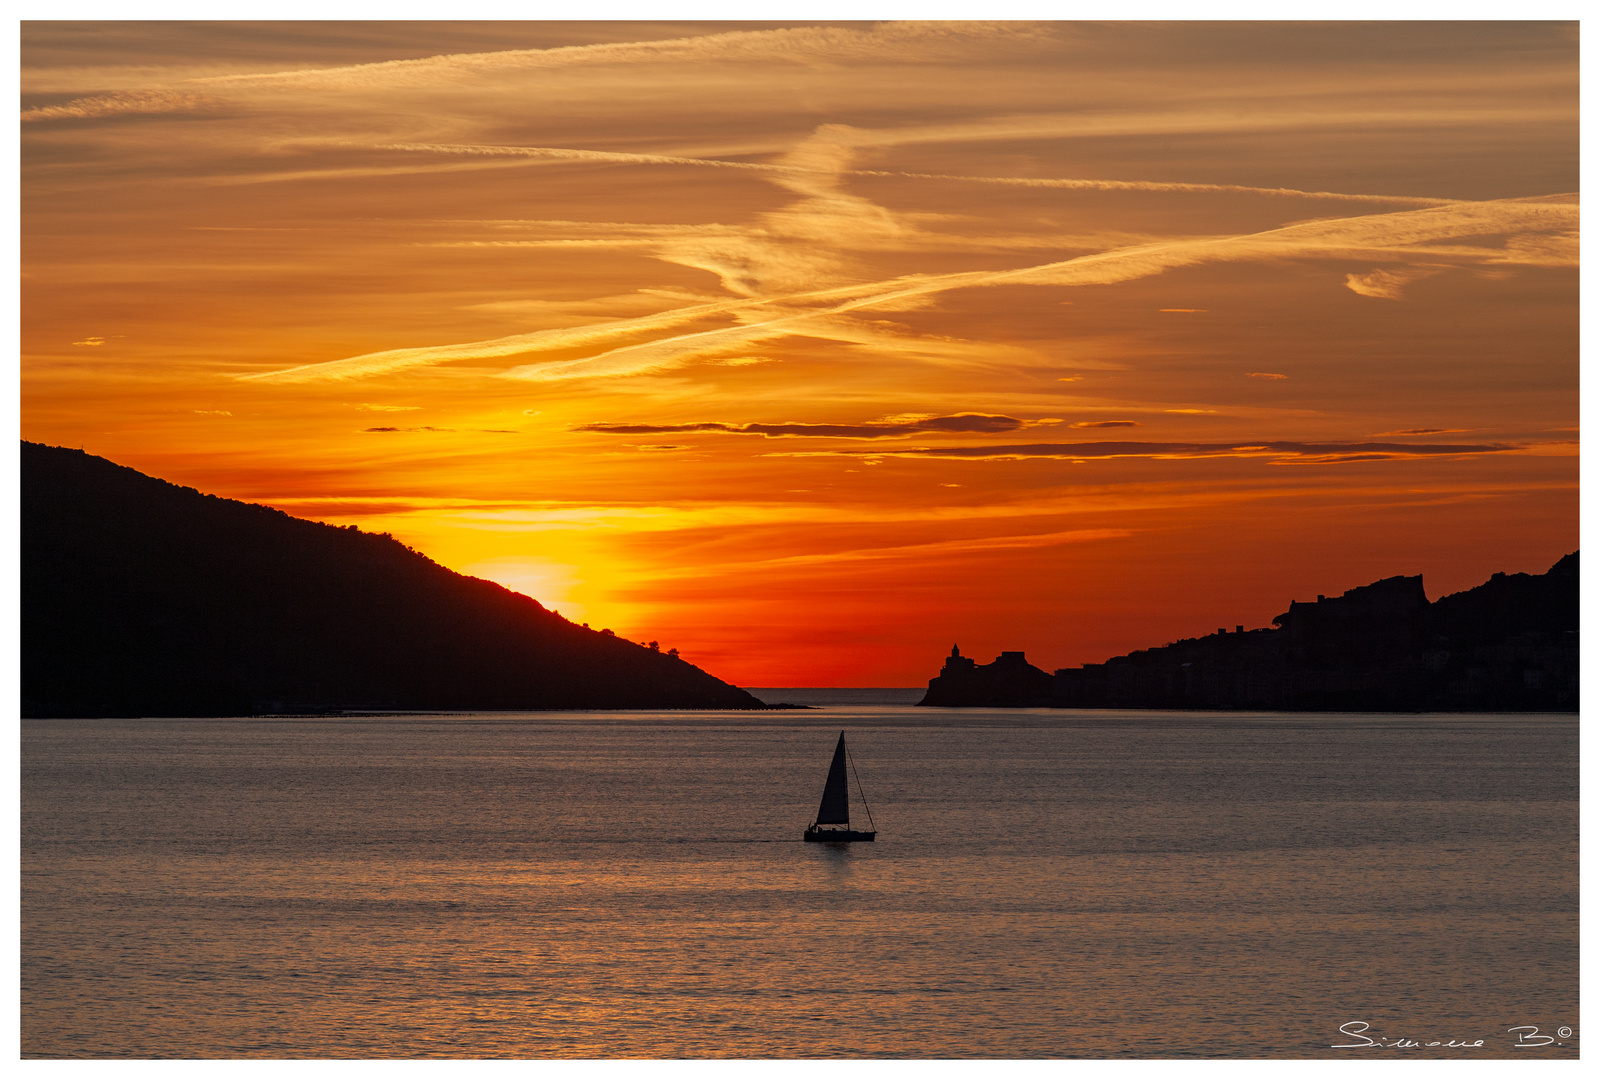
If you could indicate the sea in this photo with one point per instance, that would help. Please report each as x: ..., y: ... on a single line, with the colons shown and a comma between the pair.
x: 614, y: 885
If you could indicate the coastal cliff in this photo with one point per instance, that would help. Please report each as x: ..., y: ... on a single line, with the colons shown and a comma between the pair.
x: 1510, y: 644
x: 142, y: 598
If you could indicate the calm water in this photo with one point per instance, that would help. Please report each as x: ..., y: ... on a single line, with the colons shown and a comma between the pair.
x: 1045, y: 884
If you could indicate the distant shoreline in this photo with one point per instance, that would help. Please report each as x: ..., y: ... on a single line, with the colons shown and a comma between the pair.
x: 840, y: 695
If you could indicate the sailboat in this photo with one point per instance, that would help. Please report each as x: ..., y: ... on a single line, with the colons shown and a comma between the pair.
x: 835, y: 808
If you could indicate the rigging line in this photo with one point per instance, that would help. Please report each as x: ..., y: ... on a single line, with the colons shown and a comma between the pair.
x: 860, y: 790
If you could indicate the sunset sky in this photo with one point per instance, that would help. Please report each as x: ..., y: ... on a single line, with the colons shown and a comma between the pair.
x: 811, y: 349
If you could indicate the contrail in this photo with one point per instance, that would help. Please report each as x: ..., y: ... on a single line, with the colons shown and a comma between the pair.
x: 1367, y: 235
x: 622, y: 158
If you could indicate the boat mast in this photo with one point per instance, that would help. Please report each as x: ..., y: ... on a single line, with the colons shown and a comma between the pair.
x: 861, y: 791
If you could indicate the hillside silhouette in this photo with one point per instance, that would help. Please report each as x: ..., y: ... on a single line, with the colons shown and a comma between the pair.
x: 1508, y: 645
x: 142, y: 598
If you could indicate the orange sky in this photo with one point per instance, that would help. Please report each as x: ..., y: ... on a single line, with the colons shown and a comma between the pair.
x: 810, y: 349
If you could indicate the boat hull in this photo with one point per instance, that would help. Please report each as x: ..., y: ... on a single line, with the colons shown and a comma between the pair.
x: 836, y: 836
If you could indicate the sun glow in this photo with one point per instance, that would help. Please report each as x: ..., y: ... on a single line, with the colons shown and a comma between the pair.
x: 808, y: 350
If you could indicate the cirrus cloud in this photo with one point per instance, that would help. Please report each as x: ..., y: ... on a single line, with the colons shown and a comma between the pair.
x: 1400, y: 235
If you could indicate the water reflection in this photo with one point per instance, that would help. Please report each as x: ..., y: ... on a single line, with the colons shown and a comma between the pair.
x: 325, y: 889
x: 838, y: 860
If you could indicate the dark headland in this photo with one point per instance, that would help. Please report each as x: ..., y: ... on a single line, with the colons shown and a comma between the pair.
x: 1508, y: 645
x: 142, y: 598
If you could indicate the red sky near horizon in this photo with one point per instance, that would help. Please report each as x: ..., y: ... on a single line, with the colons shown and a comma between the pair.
x: 812, y: 349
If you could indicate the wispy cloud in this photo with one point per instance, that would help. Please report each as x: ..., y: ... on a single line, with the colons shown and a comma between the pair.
x: 389, y: 360
x: 442, y: 430
x: 889, y: 42
x: 1283, y: 451
x: 936, y: 549
x: 776, y: 267
x: 965, y: 423
x: 1425, y: 431
x: 158, y: 100
x: 798, y: 167
x: 1387, y: 284
x: 1399, y: 235
x: 905, y: 41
